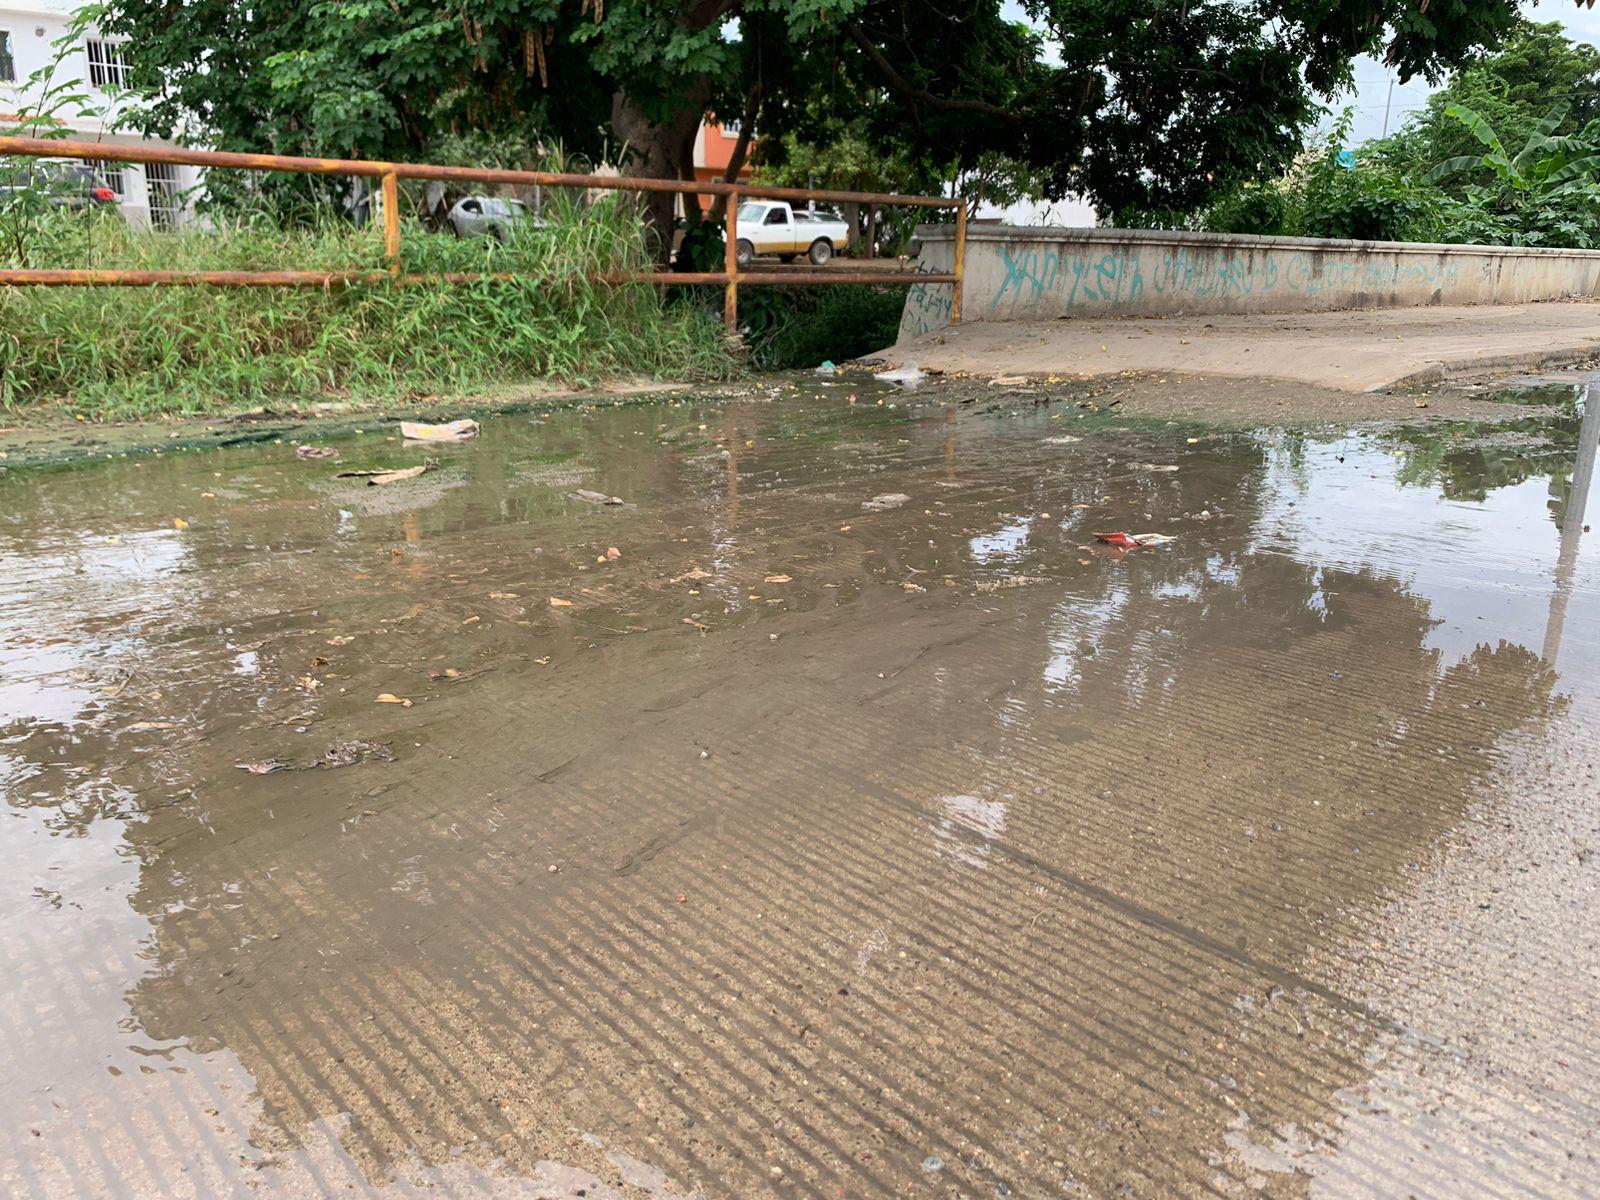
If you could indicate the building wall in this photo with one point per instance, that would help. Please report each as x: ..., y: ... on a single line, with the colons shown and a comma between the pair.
x: 34, y: 25
x: 713, y: 151
x: 1017, y: 274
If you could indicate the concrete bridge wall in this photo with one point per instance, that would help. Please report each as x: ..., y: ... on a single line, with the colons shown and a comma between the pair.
x: 1039, y: 273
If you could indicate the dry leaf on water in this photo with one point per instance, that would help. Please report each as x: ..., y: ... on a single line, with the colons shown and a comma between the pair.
x: 341, y: 640
x: 179, y: 523
x: 377, y: 478
x: 778, y: 579
x: 1009, y: 581
x: 347, y: 753
x: 391, y: 698
x: 263, y: 768
x: 316, y: 452
x: 589, y: 496
x: 447, y: 673
x: 558, y: 602
x: 146, y: 726
x: 453, y: 431
x: 884, y: 501
x: 613, y: 553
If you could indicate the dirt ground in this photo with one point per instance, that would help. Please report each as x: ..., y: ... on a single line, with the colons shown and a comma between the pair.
x: 831, y: 817
x: 1247, y: 403
x: 1362, y: 351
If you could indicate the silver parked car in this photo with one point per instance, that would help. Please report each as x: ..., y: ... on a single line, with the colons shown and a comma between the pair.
x: 64, y: 186
x: 490, y: 216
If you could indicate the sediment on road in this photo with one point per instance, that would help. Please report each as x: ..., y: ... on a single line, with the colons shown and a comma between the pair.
x: 1368, y: 350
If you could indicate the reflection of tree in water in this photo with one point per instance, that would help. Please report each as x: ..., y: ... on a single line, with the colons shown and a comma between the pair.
x: 1468, y: 460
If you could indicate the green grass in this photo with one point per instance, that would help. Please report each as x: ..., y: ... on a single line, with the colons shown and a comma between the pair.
x: 801, y: 327
x: 128, y: 352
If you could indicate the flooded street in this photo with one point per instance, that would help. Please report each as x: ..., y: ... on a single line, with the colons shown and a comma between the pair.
x: 860, y: 828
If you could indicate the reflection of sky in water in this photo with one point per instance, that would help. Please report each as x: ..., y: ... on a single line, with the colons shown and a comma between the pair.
x: 1075, y: 624
x: 986, y: 818
x: 103, y: 585
x: 1484, y: 567
x: 1005, y: 545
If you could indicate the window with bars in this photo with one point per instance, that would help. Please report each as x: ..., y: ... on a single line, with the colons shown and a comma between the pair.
x: 8, y: 64
x: 166, y: 202
x: 112, y: 174
x: 107, y: 67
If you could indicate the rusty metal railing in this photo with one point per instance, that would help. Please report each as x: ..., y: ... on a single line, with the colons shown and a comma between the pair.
x: 389, y: 175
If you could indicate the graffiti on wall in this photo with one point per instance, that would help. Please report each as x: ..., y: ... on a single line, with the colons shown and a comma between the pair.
x: 1102, y: 276
x: 1116, y: 280
x: 1032, y: 273
x: 928, y: 305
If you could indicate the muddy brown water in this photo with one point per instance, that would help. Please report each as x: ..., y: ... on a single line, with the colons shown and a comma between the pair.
x: 810, y: 848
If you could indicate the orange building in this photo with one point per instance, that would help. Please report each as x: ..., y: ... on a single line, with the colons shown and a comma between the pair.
x: 713, y: 150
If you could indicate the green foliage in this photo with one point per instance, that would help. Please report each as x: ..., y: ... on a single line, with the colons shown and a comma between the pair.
x: 1369, y: 203
x: 1131, y: 103
x: 1327, y: 196
x: 799, y: 328
x: 1511, y: 87
x: 1544, y: 162
x: 1364, y: 200
x: 1253, y: 209
x: 134, y: 351
x: 26, y: 201
x: 1543, y: 194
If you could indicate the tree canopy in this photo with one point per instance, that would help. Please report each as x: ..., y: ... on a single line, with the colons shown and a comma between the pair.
x: 1133, y: 103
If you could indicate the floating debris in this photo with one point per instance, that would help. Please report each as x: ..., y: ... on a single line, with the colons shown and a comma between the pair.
x: 452, y: 431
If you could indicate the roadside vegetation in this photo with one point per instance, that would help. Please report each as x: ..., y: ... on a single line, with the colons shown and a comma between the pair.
x: 123, y: 352
x: 120, y: 352
x: 798, y: 328
x: 1506, y: 153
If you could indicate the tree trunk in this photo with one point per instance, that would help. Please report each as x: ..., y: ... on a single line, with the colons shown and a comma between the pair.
x: 741, y: 151
x: 659, y: 150
x: 852, y: 223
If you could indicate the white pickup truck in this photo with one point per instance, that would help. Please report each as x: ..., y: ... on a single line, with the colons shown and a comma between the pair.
x: 772, y: 227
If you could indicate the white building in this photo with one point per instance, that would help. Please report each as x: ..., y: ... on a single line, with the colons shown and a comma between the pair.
x: 149, y: 193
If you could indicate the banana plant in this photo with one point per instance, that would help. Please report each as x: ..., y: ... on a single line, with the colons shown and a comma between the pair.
x: 1544, y: 164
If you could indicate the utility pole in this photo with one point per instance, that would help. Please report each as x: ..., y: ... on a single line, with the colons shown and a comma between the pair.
x: 1572, y: 525
x: 1386, y: 105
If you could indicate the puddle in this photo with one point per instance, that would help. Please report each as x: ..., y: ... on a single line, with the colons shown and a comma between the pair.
x: 805, y: 834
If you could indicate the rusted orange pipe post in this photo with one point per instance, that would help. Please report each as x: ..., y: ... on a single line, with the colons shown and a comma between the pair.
x: 960, y: 268
x: 391, y: 221
x: 730, y: 265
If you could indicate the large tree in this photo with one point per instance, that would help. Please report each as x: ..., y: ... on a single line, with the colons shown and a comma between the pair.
x: 1132, y: 102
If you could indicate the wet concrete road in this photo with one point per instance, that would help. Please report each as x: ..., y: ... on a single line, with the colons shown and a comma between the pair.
x: 811, y: 848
